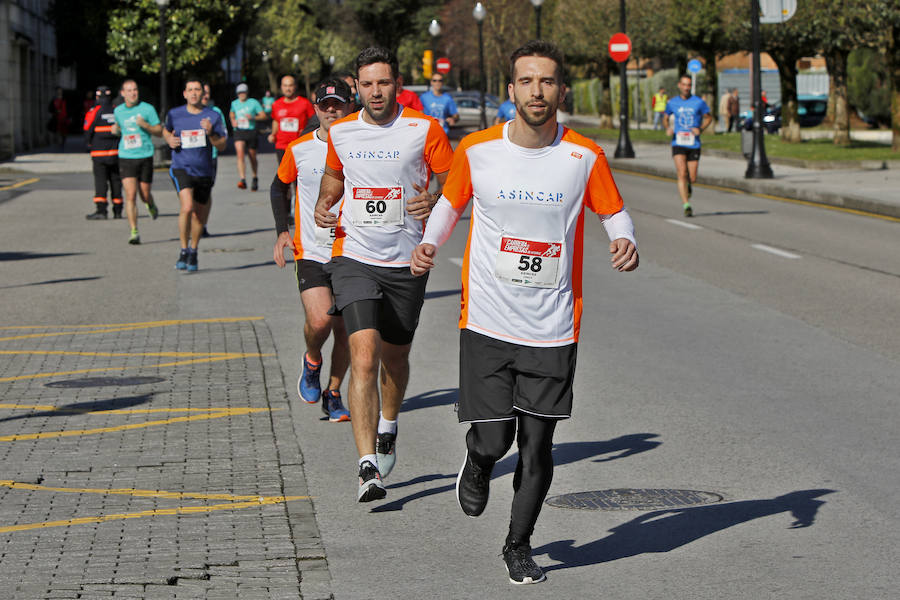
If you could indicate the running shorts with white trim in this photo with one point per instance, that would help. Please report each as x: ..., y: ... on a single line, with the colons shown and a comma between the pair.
x: 141, y: 168
x: 397, y: 292
x: 202, y: 186
x: 311, y: 274
x: 499, y: 379
x: 249, y: 136
x: 692, y: 153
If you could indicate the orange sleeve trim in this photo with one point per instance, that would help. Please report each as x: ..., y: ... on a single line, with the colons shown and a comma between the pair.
x: 103, y: 128
x: 438, y: 153
x: 601, y: 194
x: 287, y: 169
x: 331, y: 159
x: 104, y: 152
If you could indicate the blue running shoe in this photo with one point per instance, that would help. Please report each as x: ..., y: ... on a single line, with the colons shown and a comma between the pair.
x: 192, y: 261
x: 308, y: 387
x: 181, y: 265
x: 333, y: 407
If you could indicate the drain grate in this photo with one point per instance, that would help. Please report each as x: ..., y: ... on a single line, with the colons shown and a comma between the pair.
x: 633, y: 499
x: 86, y: 382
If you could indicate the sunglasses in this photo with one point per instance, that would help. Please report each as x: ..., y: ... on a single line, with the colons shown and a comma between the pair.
x: 438, y: 80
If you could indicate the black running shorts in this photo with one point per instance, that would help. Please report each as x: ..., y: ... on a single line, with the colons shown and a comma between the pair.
x: 202, y: 186
x: 692, y: 153
x: 141, y: 168
x: 397, y: 294
x: 249, y: 136
x: 497, y: 379
x: 311, y: 274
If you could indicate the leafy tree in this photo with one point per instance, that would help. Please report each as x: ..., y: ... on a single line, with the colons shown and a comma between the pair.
x: 388, y: 22
x: 868, y: 86
x: 198, y: 32
x: 287, y: 32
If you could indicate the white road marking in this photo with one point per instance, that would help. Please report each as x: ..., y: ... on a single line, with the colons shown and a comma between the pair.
x: 683, y: 224
x: 776, y: 251
x: 456, y: 261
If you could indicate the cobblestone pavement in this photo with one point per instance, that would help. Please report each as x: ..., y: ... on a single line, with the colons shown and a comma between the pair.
x: 151, y: 460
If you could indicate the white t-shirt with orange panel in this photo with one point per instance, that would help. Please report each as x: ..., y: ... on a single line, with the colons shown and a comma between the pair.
x: 303, y: 164
x: 380, y: 164
x: 521, y: 274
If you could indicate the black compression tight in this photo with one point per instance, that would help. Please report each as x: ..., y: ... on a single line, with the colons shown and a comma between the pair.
x: 488, y: 442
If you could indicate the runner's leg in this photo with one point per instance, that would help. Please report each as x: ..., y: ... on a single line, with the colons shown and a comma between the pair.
x: 692, y: 166
x: 365, y: 348
x: 394, y: 377
x: 488, y: 442
x: 239, y: 148
x: 254, y: 165
x: 186, y: 198
x: 199, y: 214
x: 534, y: 472
x: 682, y: 171
x: 317, y: 327
x: 130, y: 187
x: 340, y: 353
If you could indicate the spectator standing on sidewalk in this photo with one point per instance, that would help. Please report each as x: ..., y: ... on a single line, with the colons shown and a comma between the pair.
x: 104, y: 148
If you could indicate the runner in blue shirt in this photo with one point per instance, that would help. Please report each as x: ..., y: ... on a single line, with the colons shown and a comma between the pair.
x: 244, y: 114
x: 440, y: 105
x: 686, y: 117
x: 506, y: 112
x: 192, y: 131
x: 135, y: 122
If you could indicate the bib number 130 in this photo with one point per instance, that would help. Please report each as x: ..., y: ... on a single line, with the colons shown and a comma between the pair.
x: 528, y: 262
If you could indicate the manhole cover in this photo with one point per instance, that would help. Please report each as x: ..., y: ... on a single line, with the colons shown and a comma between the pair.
x: 103, y: 382
x: 628, y: 499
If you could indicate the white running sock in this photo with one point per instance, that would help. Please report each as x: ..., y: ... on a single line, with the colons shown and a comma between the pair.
x: 368, y: 457
x: 385, y: 426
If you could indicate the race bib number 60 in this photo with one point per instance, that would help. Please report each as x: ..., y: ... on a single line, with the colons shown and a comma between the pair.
x: 528, y: 263
x: 373, y: 206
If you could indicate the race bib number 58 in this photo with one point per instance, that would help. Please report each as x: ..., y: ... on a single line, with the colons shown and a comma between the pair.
x: 373, y: 206
x: 528, y: 263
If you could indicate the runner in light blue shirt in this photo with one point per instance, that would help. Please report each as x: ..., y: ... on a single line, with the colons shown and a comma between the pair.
x: 506, y: 112
x: 686, y: 117
x: 439, y: 105
x: 245, y: 112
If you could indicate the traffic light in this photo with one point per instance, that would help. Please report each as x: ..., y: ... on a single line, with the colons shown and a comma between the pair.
x: 427, y: 62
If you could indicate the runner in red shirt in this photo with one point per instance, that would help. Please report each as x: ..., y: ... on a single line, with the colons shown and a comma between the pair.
x: 408, y: 98
x: 289, y: 116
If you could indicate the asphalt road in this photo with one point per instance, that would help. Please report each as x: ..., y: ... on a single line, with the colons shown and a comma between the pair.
x: 753, y: 355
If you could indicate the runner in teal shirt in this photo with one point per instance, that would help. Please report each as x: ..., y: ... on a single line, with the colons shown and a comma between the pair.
x: 134, y: 122
x: 245, y: 112
x: 135, y: 141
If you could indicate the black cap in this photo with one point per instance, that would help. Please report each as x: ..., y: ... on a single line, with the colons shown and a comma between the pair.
x: 102, y: 90
x: 333, y: 88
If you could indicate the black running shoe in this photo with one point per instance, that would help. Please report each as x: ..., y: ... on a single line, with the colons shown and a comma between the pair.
x: 254, y: 185
x: 473, y: 484
x: 117, y: 211
x: 688, y: 210
x: 386, y: 452
x: 182, y: 263
x: 370, y: 485
x: 520, y: 566
x: 690, y: 189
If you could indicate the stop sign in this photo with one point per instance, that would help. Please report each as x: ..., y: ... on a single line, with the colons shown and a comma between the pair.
x: 443, y: 65
x: 619, y: 47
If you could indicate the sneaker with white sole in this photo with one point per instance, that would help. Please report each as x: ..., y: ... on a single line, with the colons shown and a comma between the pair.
x: 473, y: 486
x: 370, y: 484
x: 520, y: 566
x: 308, y: 387
x: 386, y: 452
x: 333, y: 407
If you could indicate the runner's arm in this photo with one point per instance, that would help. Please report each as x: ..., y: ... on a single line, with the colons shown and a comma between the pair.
x: 420, y: 206
x: 623, y: 246
x: 274, y: 131
x: 261, y: 116
x: 171, y: 139
x: 280, y: 196
x: 330, y: 191
x: 440, y: 225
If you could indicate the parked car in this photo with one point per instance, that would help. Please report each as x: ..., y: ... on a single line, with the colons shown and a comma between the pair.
x: 811, y: 111
x: 469, y: 105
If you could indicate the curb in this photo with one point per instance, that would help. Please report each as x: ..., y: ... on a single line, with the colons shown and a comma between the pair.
x: 769, y: 187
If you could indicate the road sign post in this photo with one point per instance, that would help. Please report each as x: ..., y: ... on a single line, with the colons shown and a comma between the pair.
x: 758, y: 166
x: 694, y: 67
x: 619, y: 51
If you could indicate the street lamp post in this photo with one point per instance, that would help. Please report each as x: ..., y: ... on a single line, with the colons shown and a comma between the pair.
x: 479, y: 13
x: 537, y: 16
x: 163, y: 92
x: 623, y: 148
x: 758, y: 166
x: 434, y: 28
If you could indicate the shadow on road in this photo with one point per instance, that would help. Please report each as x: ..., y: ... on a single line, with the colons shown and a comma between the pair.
x: 563, y: 454
x: 80, y: 408
x: 442, y: 293
x: 430, y: 399
x: 665, y: 530
x: 4, y: 256
x: 50, y: 281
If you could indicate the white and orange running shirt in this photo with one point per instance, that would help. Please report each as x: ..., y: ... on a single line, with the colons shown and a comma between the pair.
x: 303, y: 164
x: 521, y: 274
x: 380, y: 164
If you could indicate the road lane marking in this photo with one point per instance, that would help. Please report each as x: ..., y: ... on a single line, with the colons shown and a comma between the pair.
x: 683, y: 224
x: 212, y: 413
x: 191, y: 361
x: 113, y: 328
x: 456, y: 261
x: 19, y: 184
x: 16, y: 485
x: 776, y: 251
